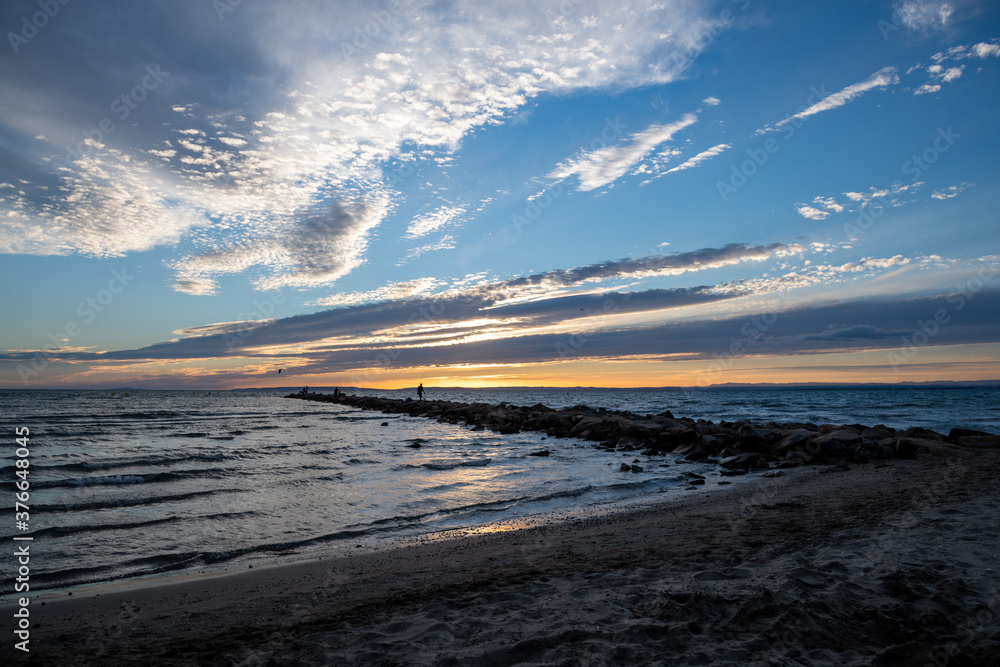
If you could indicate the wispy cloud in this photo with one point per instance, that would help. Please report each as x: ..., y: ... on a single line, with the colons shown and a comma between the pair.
x: 447, y: 242
x: 600, y: 167
x: 883, y: 78
x: 433, y: 221
x: 951, y: 191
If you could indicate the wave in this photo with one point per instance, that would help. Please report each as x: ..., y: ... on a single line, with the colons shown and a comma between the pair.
x: 451, y: 464
x: 132, y: 479
x: 117, y: 503
x: 157, y: 461
x: 61, y: 531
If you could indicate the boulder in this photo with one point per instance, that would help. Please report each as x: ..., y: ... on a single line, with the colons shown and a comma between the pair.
x: 796, y: 439
x: 907, y: 448
x: 543, y: 452
x: 956, y: 433
x: 748, y: 461
x: 692, y: 451
x: 980, y: 441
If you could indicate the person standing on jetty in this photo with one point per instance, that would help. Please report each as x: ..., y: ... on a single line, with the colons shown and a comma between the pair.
x: 420, y: 391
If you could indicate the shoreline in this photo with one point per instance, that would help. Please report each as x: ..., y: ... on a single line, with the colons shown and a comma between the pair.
x: 882, y: 564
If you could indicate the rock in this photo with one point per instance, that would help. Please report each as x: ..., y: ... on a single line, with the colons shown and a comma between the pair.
x: 840, y: 467
x: 773, y: 473
x: 543, y: 452
x: 907, y: 448
x: 628, y: 444
x: 752, y: 439
x: 697, y: 482
x: 844, y: 437
x: 980, y: 441
x: 636, y: 468
x: 625, y: 468
x: 748, y: 461
x: 723, y: 482
x: 669, y: 439
x: 796, y: 439
x: 877, y: 433
x: 691, y: 451
x: 385, y: 423
x: 956, y: 433
x: 885, y: 452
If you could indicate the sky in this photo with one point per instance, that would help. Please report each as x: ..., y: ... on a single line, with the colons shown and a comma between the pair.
x: 197, y: 194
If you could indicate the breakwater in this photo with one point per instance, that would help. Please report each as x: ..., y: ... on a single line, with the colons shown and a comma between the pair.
x: 736, y: 446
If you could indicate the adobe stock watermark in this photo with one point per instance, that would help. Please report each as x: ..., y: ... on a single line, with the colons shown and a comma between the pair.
x: 914, y: 167
x: 928, y: 329
x: 612, y: 131
x: 87, y: 310
x: 30, y: 25
x: 262, y: 311
x: 122, y: 107
x: 377, y: 26
x: 757, y: 157
x: 565, y: 8
x: 223, y: 7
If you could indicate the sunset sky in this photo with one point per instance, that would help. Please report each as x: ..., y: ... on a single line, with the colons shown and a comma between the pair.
x: 196, y: 194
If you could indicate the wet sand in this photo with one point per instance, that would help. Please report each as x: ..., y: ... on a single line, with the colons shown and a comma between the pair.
x: 886, y: 564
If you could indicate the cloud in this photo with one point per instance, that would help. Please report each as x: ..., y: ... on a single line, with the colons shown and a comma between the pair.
x: 881, y: 79
x: 951, y: 191
x: 316, y: 248
x: 811, y: 213
x: 447, y: 242
x: 896, y: 195
x: 700, y: 157
x: 406, y: 289
x: 927, y: 15
x: 602, y: 166
x: 292, y: 116
x: 432, y: 222
x: 712, y: 101
x: 939, y: 73
x: 981, y: 50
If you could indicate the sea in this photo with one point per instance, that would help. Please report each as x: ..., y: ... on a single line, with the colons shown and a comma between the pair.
x: 132, y: 485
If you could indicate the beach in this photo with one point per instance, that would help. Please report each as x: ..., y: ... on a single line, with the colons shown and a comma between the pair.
x: 892, y: 563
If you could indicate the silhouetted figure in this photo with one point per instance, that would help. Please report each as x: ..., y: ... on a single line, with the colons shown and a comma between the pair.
x: 420, y: 391
x: 279, y: 370
x: 336, y: 392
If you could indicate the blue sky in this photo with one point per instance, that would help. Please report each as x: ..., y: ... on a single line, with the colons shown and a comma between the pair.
x: 571, y: 193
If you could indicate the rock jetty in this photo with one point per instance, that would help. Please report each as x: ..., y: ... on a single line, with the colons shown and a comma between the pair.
x: 736, y: 446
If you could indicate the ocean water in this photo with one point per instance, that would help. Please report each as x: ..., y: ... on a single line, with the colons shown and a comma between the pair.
x: 144, y: 483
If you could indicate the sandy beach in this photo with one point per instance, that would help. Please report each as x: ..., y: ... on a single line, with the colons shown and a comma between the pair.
x: 883, y: 564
